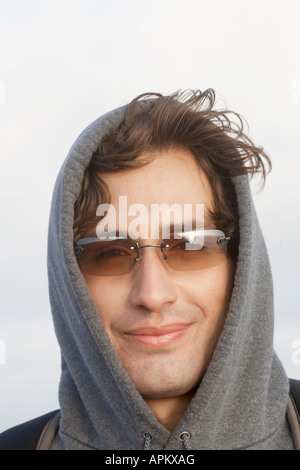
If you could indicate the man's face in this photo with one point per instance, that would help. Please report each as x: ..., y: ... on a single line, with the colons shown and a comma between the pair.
x: 164, y: 324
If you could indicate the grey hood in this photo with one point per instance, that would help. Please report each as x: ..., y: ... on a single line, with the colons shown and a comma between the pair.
x: 241, y: 402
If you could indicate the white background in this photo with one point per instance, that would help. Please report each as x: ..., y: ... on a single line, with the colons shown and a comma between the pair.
x: 64, y: 63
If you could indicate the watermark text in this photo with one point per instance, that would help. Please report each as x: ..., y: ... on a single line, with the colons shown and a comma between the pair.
x: 136, y: 221
x: 296, y: 353
x: 148, y: 459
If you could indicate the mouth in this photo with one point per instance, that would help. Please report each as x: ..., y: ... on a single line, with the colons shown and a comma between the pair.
x: 157, y: 336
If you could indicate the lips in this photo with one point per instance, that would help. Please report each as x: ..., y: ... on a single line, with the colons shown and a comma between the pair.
x: 157, y: 336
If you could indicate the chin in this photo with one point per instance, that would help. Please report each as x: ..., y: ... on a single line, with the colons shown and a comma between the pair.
x: 166, y: 387
x: 161, y: 376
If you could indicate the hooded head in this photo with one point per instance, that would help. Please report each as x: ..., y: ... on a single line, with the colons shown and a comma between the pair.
x: 150, y: 318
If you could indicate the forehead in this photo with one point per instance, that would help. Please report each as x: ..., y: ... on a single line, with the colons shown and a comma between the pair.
x: 170, y: 177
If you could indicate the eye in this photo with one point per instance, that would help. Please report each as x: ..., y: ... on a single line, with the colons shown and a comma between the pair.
x: 108, y: 250
x: 113, y: 252
x: 178, y: 245
x: 186, y: 241
x: 185, y: 245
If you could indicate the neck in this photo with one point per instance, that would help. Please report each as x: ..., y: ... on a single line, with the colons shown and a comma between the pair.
x: 168, y: 411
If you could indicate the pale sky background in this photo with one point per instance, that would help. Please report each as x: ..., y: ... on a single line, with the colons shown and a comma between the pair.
x: 64, y: 63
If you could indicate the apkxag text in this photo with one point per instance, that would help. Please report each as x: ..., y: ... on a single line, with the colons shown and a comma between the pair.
x: 153, y: 459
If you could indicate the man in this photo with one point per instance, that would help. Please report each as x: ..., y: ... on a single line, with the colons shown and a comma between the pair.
x: 165, y: 321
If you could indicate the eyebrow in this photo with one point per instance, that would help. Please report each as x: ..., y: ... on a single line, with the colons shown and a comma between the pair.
x: 192, y: 226
x: 170, y: 228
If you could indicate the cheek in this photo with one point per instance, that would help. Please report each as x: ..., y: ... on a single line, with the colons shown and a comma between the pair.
x: 103, y: 292
x: 211, y: 290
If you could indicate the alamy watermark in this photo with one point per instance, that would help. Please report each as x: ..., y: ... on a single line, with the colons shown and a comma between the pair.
x: 296, y: 353
x: 2, y: 92
x: 136, y: 221
x: 2, y: 353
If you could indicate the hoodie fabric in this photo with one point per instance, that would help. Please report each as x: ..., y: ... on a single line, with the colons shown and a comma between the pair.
x: 242, y: 400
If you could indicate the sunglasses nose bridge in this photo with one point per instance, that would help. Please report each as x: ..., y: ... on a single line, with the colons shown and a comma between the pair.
x: 161, y: 246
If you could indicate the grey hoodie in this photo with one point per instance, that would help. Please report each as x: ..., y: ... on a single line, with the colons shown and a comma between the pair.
x: 242, y: 400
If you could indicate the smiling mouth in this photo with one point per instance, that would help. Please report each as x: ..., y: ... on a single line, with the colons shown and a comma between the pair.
x: 157, y: 336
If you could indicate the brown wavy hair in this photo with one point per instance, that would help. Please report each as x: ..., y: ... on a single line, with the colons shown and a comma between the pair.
x: 184, y: 120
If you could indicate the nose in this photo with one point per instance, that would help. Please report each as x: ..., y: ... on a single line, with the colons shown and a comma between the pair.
x: 153, y: 284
